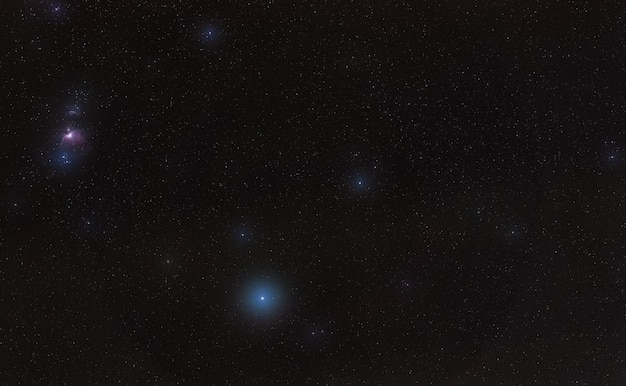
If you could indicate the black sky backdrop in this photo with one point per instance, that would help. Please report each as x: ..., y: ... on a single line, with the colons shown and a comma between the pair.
x: 272, y: 192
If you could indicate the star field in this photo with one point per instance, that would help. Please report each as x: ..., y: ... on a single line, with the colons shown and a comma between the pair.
x: 270, y: 192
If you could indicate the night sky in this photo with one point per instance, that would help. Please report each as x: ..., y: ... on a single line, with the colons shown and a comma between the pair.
x: 271, y: 192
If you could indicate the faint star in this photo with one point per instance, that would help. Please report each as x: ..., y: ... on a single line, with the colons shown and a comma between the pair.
x: 73, y: 111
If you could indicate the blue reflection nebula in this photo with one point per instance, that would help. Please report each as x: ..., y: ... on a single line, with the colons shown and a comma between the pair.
x: 359, y: 183
x: 64, y: 158
x: 56, y: 10
x: 209, y: 34
x: 263, y: 299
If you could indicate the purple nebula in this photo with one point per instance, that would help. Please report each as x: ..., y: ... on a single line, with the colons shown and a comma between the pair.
x: 73, y: 138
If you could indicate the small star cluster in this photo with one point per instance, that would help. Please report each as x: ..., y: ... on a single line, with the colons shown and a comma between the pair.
x: 266, y: 192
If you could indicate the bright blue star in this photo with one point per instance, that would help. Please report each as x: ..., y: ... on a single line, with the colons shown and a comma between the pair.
x: 242, y: 235
x: 209, y: 34
x: 359, y: 183
x: 56, y: 9
x: 262, y: 299
x: 613, y: 159
x: 65, y: 159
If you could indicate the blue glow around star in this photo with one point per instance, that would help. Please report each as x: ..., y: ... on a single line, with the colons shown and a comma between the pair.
x: 263, y: 299
x: 242, y: 235
x: 65, y: 158
x: 56, y: 10
x: 613, y: 159
x: 209, y: 34
x: 359, y: 183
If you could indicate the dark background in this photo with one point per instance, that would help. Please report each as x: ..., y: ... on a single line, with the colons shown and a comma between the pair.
x: 484, y: 245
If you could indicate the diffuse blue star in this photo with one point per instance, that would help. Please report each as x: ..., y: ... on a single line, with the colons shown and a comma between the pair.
x: 209, y: 34
x: 359, y: 183
x: 65, y: 158
x: 263, y: 299
x: 56, y: 9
